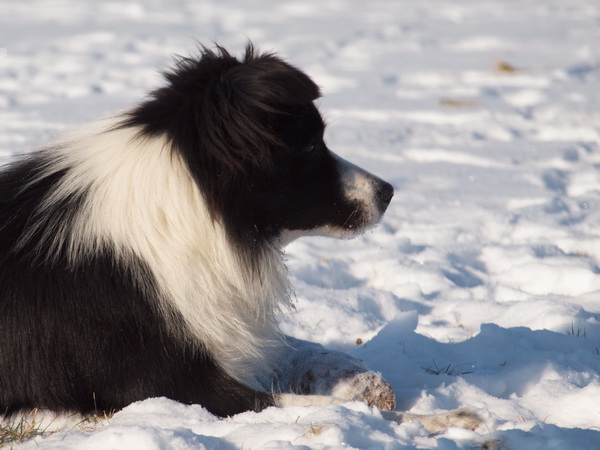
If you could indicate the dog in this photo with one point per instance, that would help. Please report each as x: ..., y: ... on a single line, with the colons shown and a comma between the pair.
x: 142, y: 256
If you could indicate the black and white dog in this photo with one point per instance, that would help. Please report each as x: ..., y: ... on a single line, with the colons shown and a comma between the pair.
x: 142, y: 257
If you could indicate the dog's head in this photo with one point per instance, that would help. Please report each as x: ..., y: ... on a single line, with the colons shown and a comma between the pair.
x: 253, y: 140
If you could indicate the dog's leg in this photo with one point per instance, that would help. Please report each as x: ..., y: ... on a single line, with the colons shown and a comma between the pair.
x: 433, y: 423
x: 324, y: 377
x: 310, y: 369
x: 436, y: 423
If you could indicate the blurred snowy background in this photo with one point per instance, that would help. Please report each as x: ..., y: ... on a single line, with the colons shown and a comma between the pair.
x: 481, y: 287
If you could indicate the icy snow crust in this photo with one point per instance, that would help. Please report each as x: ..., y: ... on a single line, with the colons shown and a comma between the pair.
x: 481, y: 287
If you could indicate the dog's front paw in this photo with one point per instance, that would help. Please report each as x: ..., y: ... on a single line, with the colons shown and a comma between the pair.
x: 368, y: 387
x: 437, y: 423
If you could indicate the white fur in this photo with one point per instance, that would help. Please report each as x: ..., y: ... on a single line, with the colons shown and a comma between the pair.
x: 433, y: 423
x: 284, y: 400
x: 143, y: 202
x: 437, y: 423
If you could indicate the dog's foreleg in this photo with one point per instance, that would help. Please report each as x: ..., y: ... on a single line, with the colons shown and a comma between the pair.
x: 433, y: 423
x: 436, y: 423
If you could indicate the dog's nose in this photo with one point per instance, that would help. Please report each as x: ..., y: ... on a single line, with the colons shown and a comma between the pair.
x: 384, y: 193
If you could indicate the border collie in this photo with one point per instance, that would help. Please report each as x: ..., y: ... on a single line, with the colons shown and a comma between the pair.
x: 142, y: 256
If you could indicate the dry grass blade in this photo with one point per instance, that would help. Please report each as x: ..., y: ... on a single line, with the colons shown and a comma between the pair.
x: 504, y: 67
x: 20, y: 430
x: 456, y: 103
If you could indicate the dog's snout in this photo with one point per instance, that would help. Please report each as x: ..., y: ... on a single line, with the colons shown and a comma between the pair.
x: 371, y: 191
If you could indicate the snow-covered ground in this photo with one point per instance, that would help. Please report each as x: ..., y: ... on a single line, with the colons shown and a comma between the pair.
x: 481, y: 287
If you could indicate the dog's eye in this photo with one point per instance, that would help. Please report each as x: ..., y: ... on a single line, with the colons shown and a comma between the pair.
x: 312, y: 147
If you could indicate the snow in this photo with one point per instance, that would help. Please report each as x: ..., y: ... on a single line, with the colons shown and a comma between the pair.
x: 481, y: 287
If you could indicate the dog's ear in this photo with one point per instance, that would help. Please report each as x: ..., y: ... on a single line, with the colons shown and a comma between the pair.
x: 238, y: 114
